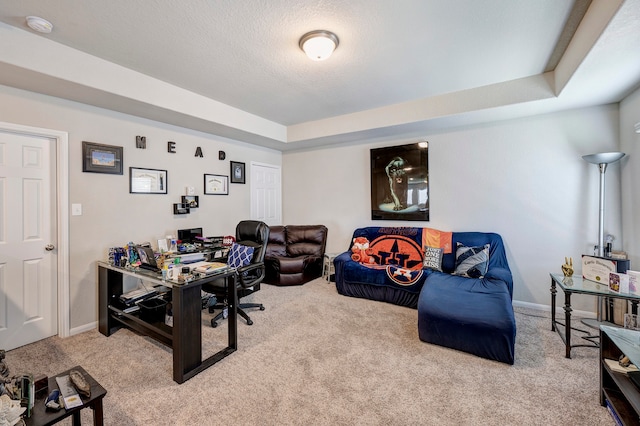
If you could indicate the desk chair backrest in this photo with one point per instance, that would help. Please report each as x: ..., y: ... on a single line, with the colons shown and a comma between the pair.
x: 254, y: 234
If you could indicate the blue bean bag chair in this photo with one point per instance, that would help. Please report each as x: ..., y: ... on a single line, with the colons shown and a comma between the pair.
x: 474, y: 315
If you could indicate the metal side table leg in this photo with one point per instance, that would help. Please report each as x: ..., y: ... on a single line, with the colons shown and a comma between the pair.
x: 567, y: 319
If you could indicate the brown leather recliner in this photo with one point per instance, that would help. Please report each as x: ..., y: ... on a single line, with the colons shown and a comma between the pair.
x: 294, y: 254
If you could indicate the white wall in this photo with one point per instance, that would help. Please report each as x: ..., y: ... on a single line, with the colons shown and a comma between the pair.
x: 630, y: 144
x: 111, y: 216
x: 524, y: 179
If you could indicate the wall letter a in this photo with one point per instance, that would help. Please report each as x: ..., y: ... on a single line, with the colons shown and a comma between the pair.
x: 199, y: 152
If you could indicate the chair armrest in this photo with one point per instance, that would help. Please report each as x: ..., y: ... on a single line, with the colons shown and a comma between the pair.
x: 259, y: 270
x: 339, y: 262
x: 501, y: 274
x: 343, y: 257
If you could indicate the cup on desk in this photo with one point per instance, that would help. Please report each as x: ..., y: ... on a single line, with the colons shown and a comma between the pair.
x: 172, y: 273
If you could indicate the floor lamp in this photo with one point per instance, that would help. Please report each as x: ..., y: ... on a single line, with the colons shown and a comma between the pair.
x: 602, y: 160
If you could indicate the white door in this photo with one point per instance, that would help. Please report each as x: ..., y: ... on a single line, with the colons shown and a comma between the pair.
x: 28, y: 257
x: 266, y: 193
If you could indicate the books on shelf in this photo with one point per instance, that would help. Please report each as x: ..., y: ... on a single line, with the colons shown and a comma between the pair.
x: 613, y: 413
x: 615, y: 366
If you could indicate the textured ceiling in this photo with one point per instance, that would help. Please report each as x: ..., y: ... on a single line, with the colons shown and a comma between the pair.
x: 245, y: 54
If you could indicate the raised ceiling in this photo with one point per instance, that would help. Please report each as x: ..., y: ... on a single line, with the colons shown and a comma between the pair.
x: 403, y: 68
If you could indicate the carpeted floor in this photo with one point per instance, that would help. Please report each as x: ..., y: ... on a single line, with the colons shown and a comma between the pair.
x: 314, y: 357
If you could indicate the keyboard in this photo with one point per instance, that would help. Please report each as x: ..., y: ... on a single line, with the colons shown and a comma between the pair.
x: 137, y: 295
x: 149, y: 267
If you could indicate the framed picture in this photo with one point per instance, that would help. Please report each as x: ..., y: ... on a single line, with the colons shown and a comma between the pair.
x: 216, y: 184
x: 400, y: 182
x: 99, y: 158
x: 191, y: 201
x: 179, y: 208
x: 147, y: 181
x: 237, y: 172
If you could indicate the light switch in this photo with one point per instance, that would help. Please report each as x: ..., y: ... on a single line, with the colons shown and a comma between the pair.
x: 191, y: 190
x: 76, y: 209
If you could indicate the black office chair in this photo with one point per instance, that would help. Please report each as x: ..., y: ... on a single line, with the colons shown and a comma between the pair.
x: 251, y: 233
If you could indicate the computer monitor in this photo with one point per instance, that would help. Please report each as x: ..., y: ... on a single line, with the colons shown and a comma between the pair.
x: 189, y: 235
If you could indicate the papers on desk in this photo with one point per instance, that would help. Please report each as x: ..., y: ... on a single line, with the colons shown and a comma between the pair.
x: 196, y: 270
x: 69, y: 393
x: 208, y: 268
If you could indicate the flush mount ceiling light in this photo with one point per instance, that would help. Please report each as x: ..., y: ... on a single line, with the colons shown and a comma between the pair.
x: 318, y: 44
x: 38, y: 24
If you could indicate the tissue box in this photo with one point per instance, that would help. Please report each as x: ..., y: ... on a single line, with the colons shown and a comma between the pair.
x: 596, y: 268
x: 618, y: 283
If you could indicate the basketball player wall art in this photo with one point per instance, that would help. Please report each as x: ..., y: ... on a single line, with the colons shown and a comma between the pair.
x: 400, y: 182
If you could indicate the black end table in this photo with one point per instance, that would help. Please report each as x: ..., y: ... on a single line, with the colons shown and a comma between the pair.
x: 40, y: 416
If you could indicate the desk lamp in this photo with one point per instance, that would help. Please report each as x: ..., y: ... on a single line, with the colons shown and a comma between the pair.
x: 602, y: 160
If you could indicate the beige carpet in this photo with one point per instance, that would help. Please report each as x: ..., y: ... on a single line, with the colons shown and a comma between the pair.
x: 314, y: 357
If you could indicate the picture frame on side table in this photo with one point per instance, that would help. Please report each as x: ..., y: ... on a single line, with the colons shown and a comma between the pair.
x: 101, y: 158
x: 216, y: 184
x: 237, y: 172
x: 147, y: 181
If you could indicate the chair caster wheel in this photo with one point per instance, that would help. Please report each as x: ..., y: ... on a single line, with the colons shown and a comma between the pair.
x: 214, y: 324
x: 249, y: 322
x: 262, y: 308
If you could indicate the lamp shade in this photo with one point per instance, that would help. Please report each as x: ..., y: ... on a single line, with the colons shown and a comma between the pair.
x: 603, y: 157
x: 319, y: 44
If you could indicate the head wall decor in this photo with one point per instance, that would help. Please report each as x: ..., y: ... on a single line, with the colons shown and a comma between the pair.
x: 400, y: 182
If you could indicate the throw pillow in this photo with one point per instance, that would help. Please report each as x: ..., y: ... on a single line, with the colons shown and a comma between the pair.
x: 471, y: 262
x: 433, y: 258
x: 240, y: 255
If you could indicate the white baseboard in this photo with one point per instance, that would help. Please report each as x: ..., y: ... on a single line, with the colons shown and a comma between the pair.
x: 83, y: 328
x: 559, y: 309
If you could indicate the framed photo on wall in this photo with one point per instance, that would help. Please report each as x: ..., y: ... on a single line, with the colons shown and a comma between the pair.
x: 179, y: 208
x: 100, y: 158
x: 400, y: 182
x: 191, y: 200
x: 237, y: 172
x: 216, y: 184
x: 147, y: 181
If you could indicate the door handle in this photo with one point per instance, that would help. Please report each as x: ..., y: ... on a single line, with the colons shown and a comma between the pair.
x: 49, y: 247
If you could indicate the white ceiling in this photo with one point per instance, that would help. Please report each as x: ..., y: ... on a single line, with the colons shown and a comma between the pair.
x: 403, y: 68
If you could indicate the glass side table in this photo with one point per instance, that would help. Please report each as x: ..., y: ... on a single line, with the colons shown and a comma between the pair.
x: 578, y: 285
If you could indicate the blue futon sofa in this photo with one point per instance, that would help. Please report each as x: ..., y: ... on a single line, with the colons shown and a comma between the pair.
x: 474, y: 315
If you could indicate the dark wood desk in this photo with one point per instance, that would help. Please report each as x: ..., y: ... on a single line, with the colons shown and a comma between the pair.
x: 40, y: 416
x: 185, y: 337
